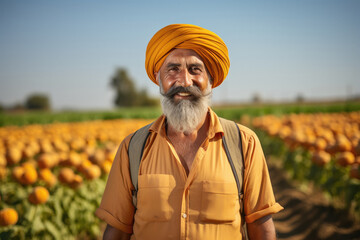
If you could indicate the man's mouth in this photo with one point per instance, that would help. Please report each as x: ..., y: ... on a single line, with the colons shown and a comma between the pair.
x: 183, y: 94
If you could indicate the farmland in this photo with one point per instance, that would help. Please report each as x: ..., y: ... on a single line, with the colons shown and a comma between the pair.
x: 53, y: 166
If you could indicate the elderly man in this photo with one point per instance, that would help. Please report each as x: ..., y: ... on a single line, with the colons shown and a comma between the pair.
x: 186, y: 187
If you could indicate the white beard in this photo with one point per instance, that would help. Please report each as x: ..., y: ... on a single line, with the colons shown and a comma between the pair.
x: 186, y: 115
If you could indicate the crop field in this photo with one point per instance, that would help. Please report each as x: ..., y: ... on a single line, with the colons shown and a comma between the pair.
x: 321, y: 149
x: 54, y: 166
x: 53, y: 176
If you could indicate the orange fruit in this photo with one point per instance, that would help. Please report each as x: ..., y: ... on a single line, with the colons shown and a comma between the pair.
x: 13, y: 155
x: 28, y: 152
x: 98, y: 157
x: 30, y: 163
x: 320, y: 144
x: 39, y: 195
x: 93, y: 172
x: 343, y: 144
x: 77, y: 144
x: 77, y: 181
x: 345, y: 158
x: 29, y: 176
x: 84, y: 165
x: 17, y: 172
x: 48, y: 177
x: 48, y: 160
x: 106, y: 166
x: 2, y: 160
x: 8, y: 216
x: 46, y: 146
x: 74, y: 159
x: 66, y: 175
x: 320, y: 158
x: 355, y: 171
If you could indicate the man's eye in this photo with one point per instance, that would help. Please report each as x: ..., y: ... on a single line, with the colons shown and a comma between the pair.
x: 195, y: 69
x: 174, y: 69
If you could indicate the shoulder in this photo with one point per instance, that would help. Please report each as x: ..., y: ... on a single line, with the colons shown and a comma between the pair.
x: 139, y: 133
x: 247, y: 133
x: 250, y: 140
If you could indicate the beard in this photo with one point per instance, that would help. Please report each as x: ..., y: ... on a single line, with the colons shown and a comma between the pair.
x: 185, y: 115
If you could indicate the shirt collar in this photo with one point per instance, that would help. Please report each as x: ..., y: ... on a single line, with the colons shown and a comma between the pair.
x: 215, y: 127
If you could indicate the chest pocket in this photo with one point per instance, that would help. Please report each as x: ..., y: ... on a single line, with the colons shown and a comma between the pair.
x: 153, y: 197
x: 219, y: 202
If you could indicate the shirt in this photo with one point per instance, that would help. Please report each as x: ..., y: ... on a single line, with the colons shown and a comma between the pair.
x: 201, y: 205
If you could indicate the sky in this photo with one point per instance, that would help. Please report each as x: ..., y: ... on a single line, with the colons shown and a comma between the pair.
x: 69, y: 50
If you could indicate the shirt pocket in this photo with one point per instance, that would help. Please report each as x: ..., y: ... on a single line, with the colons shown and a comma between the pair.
x: 153, y: 197
x: 219, y: 202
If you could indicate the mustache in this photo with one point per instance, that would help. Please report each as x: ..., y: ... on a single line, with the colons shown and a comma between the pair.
x: 193, y: 90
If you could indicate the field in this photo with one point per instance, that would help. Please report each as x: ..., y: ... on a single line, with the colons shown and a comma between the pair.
x: 53, y: 166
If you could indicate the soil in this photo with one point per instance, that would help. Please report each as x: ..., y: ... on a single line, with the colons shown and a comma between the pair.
x: 308, y: 214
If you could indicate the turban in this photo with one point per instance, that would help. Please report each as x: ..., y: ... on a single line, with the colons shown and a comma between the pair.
x: 209, y: 46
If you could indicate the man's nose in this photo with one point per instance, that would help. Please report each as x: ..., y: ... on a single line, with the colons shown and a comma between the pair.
x: 185, y: 78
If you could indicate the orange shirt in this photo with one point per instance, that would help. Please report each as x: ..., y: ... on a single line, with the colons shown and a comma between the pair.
x: 202, y: 205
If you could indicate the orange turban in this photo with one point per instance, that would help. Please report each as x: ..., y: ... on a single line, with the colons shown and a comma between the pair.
x: 209, y: 46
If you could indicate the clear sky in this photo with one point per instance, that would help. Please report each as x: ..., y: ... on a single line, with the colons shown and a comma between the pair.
x: 278, y: 49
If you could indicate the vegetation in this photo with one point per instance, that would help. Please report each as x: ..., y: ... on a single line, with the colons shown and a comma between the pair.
x: 230, y: 112
x: 44, y: 117
x: 321, y: 149
x: 37, y: 102
x: 126, y: 93
x: 53, y: 176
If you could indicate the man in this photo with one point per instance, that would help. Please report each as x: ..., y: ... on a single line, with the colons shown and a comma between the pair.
x: 186, y: 186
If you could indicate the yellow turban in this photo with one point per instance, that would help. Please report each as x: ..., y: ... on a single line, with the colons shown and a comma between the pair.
x: 209, y: 46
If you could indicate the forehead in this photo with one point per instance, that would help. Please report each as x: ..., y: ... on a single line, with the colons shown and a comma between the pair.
x: 178, y: 55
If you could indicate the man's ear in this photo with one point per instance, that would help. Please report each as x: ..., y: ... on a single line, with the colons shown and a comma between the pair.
x: 156, y: 77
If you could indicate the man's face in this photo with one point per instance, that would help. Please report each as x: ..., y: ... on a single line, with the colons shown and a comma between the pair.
x: 183, y: 67
x: 185, y: 89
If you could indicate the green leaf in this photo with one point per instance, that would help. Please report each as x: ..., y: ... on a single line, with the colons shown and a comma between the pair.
x: 37, y: 225
x: 51, y: 228
x: 72, y: 211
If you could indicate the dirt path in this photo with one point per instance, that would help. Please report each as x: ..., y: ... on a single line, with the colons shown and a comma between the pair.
x: 307, y: 215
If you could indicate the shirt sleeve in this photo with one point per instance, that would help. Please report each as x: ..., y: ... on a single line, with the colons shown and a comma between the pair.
x: 116, y: 207
x: 259, y: 199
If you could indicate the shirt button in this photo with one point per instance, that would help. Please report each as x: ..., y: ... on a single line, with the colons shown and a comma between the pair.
x: 184, y: 215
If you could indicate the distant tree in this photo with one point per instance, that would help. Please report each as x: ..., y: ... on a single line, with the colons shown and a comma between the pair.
x: 1, y: 107
x: 37, y: 102
x: 300, y: 98
x: 256, y: 98
x: 145, y: 100
x: 126, y: 93
x: 124, y: 87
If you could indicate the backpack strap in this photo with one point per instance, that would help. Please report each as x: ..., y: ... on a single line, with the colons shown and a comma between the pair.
x: 233, y: 147
x: 135, y: 152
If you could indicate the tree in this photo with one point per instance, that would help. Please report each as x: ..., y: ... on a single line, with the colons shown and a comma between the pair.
x: 124, y: 87
x: 300, y: 98
x: 126, y: 93
x: 256, y: 98
x: 37, y: 102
